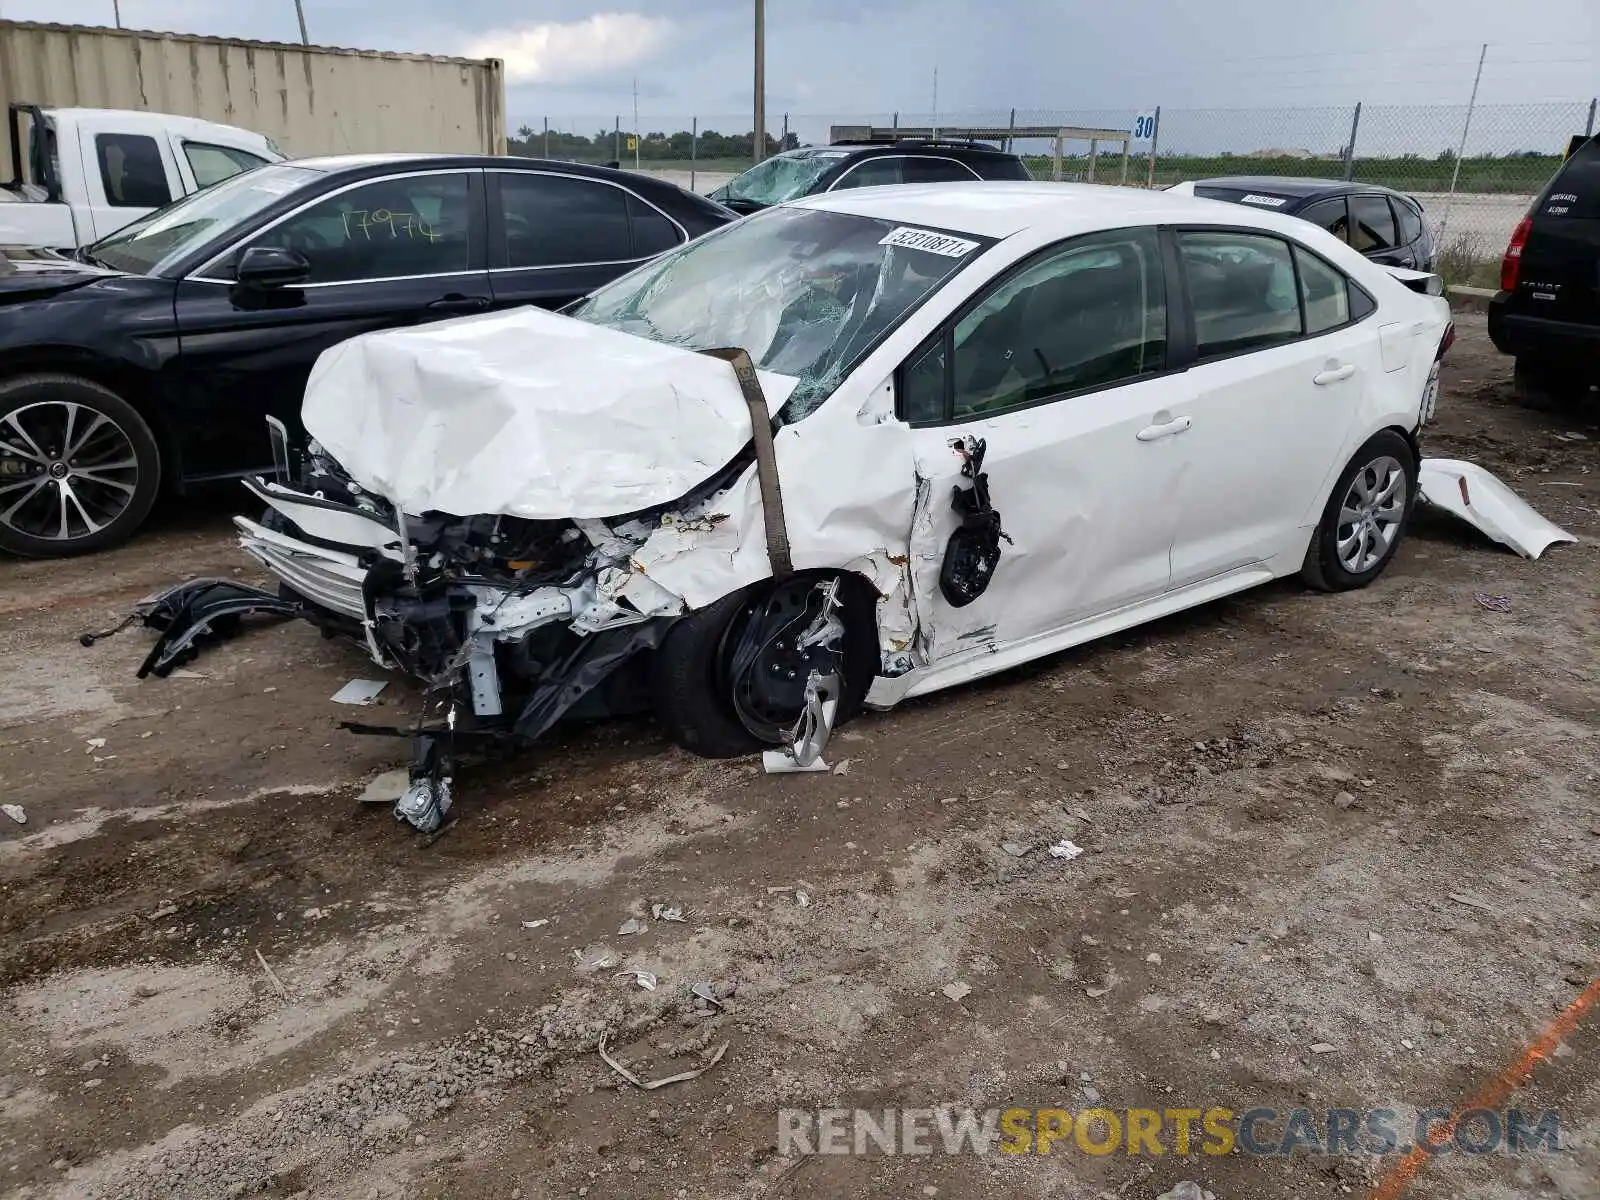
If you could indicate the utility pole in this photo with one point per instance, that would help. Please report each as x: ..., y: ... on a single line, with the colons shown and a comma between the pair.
x: 759, y: 141
x: 936, y: 101
x: 116, y: 12
x: 300, y: 11
x: 1461, y: 148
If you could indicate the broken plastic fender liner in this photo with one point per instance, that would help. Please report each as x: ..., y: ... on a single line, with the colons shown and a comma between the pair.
x: 766, y: 458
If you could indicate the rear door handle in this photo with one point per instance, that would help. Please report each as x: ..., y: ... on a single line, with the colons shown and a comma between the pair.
x: 1333, y: 375
x: 455, y: 302
x: 1164, y: 429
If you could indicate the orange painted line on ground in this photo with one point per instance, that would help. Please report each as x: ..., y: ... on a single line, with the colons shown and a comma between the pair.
x: 1493, y: 1094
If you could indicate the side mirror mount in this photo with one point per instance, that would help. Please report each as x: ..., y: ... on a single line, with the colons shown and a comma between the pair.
x: 272, y: 267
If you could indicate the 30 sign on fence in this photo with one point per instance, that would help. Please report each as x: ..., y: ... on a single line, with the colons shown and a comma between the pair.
x: 1144, y: 130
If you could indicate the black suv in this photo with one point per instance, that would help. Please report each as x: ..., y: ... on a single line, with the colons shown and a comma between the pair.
x: 796, y: 173
x: 1385, y: 225
x: 1547, y: 312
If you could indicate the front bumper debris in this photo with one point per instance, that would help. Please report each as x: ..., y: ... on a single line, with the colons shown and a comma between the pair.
x: 504, y: 622
x: 192, y: 614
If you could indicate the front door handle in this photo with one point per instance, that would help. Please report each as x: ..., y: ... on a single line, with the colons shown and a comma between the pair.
x: 456, y: 302
x: 1171, y: 427
x: 1333, y: 375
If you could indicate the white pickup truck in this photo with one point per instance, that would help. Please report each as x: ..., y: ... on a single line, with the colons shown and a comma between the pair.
x: 78, y: 174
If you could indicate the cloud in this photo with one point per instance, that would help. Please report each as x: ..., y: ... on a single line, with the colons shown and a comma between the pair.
x: 563, y: 51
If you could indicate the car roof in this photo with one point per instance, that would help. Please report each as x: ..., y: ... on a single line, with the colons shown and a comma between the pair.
x: 998, y: 210
x: 637, y: 181
x: 939, y: 145
x: 1296, y: 187
x: 140, y: 120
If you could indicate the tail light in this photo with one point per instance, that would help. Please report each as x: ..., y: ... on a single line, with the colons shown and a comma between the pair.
x: 1446, y: 342
x: 1511, y: 264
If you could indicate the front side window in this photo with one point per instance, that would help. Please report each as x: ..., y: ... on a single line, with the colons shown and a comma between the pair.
x: 390, y: 228
x: 560, y: 220
x: 1085, y: 316
x: 131, y: 170
x: 875, y: 172
x: 1242, y: 290
x: 808, y: 293
x: 1371, y: 224
x: 212, y: 164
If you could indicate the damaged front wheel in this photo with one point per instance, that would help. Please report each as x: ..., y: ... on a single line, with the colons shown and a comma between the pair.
x: 734, y: 677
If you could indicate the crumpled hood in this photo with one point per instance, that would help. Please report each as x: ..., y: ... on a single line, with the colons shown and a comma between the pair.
x: 528, y: 414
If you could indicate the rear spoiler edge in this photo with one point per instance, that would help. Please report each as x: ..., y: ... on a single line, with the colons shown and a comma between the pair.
x: 1424, y: 283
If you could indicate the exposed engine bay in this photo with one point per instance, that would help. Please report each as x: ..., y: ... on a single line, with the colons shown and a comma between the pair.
x: 512, y: 623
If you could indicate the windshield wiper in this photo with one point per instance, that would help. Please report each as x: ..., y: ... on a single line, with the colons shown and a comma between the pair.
x: 82, y: 255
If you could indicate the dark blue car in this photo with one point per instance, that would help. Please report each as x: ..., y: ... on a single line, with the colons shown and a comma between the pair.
x: 1385, y: 225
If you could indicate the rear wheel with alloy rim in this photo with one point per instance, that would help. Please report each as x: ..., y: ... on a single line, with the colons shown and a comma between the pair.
x: 1365, y: 517
x: 79, y: 468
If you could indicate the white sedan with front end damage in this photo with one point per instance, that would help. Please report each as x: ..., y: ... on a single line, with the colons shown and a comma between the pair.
x: 850, y: 450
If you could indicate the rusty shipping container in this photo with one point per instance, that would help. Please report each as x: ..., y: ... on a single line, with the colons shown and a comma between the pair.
x: 308, y: 99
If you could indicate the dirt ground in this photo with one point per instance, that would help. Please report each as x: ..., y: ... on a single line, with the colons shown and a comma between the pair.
x: 1367, y: 824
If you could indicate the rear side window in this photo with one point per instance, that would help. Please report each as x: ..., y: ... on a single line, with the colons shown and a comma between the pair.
x: 935, y: 170
x: 1001, y: 168
x: 1410, y: 221
x: 652, y: 232
x: 559, y: 220
x: 1331, y: 215
x: 1242, y: 290
x: 1324, y: 291
x: 1372, y: 224
x: 1575, y: 191
x: 131, y: 170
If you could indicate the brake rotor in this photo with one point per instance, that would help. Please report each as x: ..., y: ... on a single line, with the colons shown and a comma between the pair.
x: 770, y: 650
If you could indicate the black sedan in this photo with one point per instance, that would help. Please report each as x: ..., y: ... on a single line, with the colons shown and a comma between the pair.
x: 152, y: 360
x: 1385, y: 225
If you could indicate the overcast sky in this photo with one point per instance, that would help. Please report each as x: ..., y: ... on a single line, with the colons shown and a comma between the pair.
x: 576, y: 61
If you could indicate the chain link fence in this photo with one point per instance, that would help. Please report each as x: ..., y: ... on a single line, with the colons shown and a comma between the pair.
x: 1475, y: 170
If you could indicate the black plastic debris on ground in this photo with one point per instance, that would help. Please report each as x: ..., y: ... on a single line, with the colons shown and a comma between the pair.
x: 192, y: 615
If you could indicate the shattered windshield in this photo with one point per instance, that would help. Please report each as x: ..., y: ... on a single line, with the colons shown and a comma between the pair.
x: 783, y: 177
x: 806, y: 292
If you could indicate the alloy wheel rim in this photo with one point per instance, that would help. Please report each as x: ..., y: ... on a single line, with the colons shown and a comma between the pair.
x: 67, y: 471
x: 1370, y: 515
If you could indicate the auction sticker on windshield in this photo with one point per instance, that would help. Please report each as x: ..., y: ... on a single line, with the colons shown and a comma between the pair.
x: 1269, y: 201
x: 933, y: 243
